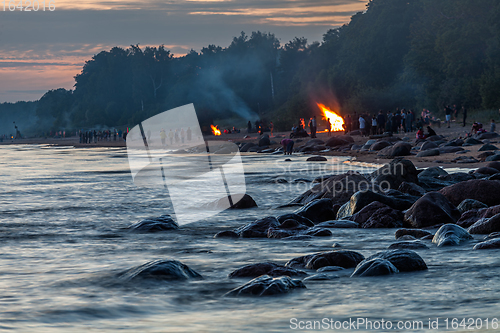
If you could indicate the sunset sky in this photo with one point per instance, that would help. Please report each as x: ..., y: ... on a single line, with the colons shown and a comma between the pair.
x: 45, y: 50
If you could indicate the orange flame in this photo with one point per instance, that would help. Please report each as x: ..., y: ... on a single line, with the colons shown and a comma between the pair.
x: 336, y: 121
x: 215, y: 130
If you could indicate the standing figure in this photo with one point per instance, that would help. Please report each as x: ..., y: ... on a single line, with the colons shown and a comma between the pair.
x: 163, y: 137
x: 329, y: 128
x: 271, y: 127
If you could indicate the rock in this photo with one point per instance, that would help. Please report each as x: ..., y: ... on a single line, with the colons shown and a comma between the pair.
x: 330, y: 269
x: 266, y: 286
x: 486, y: 135
x: 406, y: 238
x: 404, y: 260
x: 298, y: 218
x: 160, y: 270
x: 375, y: 267
x: 245, y: 201
x: 338, y: 224
x: 227, y: 234
x: 342, y: 258
x: 492, y: 236
x: 428, y: 153
x: 412, y: 244
x: 411, y: 189
x: 494, y: 165
x: 378, y: 215
x: 469, y: 204
x: 432, y: 209
x: 336, y: 141
x: 339, y: 188
x: 428, y: 145
x: 451, y: 235
x: 379, y: 145
x: 472, y: 141
x: 266, y: 268
x: 435, y: 138
x: 161, y: 223
x: 482, y: 157
x: 355, y: 133
x: 493, y: 158
x: 486, y: 191
x: 356, y: 147
x: 456, y: 177
x: 431, y: 184
x: 264, y: 140
x: 486, y: 226
x: 317, y: 159
x: 472, y: 216
x: 320, y: 277
x: 455, y: 142
x: 417, y: 233
x: 399, y: 149
x: 490, y: 244
x: 486, y: 171
x: 258, y: 229
x: 451, y: 150
x: 464, y: 160
x: 359, y: 200
x: 318, y: 211
x: 433, y: 172
x: 487, y: 147
x: 396, y: 172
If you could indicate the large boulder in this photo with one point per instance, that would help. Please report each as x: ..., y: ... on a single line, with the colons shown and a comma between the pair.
x: 428, y: 145
x: 379, y: 145
x: 264, y: 140
x: 493, y: 158
x: 160, y: 270
x: 359, y: 200
x: 494, y: 165
x: 486, y: 226
x: 341, y: 258
x: 432, y: 209
x: 244, y: 148
x: 429, y: 153
x: 258, y: 229
x: 378, y: 215
x: 266, y: 286
x: 486, y: 191
x: 433, y: 172
x: 265, y: 268
x: 375, y: 267
x: 318, y: 210
x: 451, y: 235
x: 470, y: 204
x: 339, y: 188
x: 156, y: 224
x: 487, y: 147
x: 472, y: 216
x: 486, y: 136
x: 395, y: 173
x: 337, y: 141
x: 403, y: 260
x: 399, y: 149
x: 411, y: 189
x: 489, y: 244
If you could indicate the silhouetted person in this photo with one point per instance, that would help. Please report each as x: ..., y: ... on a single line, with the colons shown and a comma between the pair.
x: 430, y: 132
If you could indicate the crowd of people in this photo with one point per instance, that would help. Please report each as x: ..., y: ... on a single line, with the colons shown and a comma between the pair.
x: 93, y: 136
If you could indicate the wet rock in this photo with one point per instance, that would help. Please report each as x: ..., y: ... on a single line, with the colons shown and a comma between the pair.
x: 411, y: 244
x: 395, y: 173
x: 359, y: 200
x: 488, y: 147
x: 406, y: 238
x: 489, y: 244
x: 298, y: 218
x: 433, y: 172
x: 451, y: 235
x: 469, y: 204
x: 472, y: 141
x: 486, y: 226
x: 486, y: 135
x: 265, y: 268
x: 266, y: 286
x: 338, y: 224
x: 486, y: 191
x: 160, y: 270
x: 456, y: 177
x: 342, y: 258
x: 482, y: 157
x: 451, y: 150
x: 492, y: 236
x: 464, y: 160
x: 320, y: 277
x: 245, y: 201
x: 330, y: 269
x: 161, y: 223
x: 247, y: 146
x: 339, y: 188
x: 317, y: 159
x: 258, y: 229
x: 417, y: 233
x: 318, y: 211
x: 404, y: 260
x: 472, y: 216
x: 378, y: 215
x: 411, y: 189
x: 486, y: 171
x: 336, y: 141
x: 432, y: 209
x: 428, y: 145
x: 428, y: 153
x: 375, y: 267
x: 493, y: 158
x: 399, y: 149
x: 264, y: 140
x: 494, y: 165
x: 227, y: 234
x: 379, y: 145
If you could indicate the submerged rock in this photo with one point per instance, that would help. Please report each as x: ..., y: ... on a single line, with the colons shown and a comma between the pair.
x: 486, y: 226
x: 411, y: 244
x: 338, y: 224
x: 489, y: 244
x: 266, y: 268
x: 432, y: 209
x: 451, y: 235
x: 160, y: 270
x: 258, y: 229
x: 403, y: 260
x: 317, y: 159
x: 266, y: 286
x: 161, y: 223
x: 375, y: 267
x: 361, y: 199
x: 417, y: 233
x: 226, y: 234
x: 342, y: 258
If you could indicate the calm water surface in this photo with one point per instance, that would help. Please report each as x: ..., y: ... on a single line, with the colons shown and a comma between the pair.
x: 62, y: 241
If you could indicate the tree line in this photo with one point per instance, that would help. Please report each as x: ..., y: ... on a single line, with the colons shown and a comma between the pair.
x: 398, y: 53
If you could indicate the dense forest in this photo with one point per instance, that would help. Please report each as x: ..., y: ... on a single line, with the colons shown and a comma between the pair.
x: 397, y: 53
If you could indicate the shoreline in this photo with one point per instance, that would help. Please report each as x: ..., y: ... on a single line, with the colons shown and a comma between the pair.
x: 443, y: 160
